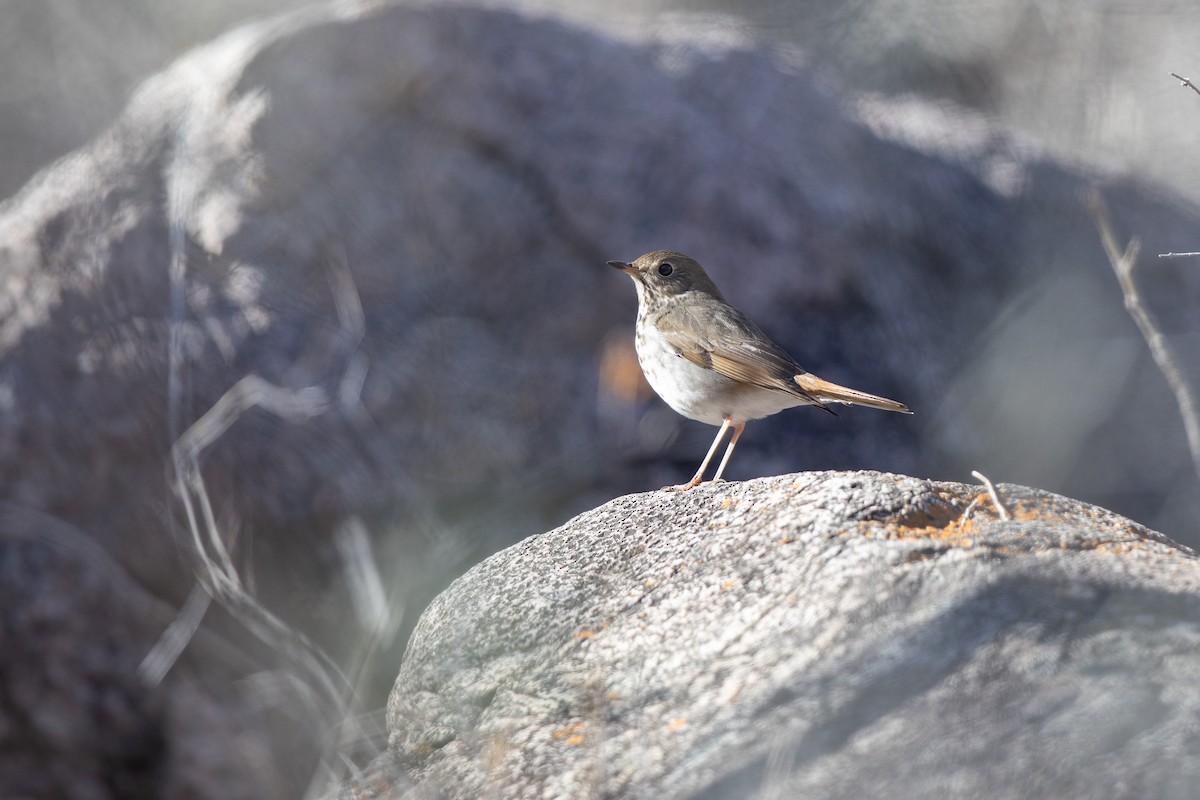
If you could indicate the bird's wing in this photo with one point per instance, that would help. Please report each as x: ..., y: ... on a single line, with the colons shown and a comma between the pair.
x: 733, y: 346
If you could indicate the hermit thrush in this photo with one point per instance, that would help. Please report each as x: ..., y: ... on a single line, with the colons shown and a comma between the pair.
x: 710, y: 363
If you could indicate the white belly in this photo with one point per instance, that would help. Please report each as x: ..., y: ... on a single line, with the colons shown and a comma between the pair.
x: 704, y: 394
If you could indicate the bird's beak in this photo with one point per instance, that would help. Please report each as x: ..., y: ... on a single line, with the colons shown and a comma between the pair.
x: 621, y: 265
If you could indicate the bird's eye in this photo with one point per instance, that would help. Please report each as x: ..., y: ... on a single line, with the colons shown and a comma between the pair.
x: 665, y: 269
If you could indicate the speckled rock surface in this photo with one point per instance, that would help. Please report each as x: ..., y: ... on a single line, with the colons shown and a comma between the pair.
x: 813, y: 635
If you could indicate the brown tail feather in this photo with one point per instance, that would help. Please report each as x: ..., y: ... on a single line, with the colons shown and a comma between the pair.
x: 828, y: 392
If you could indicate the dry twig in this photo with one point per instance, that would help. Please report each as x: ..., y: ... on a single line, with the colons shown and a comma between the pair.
x: 1123, y: 264
x: 1185, y: 82
x: 966, y: 515
x: 986, y: 481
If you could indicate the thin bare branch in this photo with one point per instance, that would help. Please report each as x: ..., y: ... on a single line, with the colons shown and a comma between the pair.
x: 966, y: 515
x: 1178, y: 255
x: 1123, y: 264
x: 1185, y: 82
x: 986, y: 481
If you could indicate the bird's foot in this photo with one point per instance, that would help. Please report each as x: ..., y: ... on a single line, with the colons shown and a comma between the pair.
x: 692, y: 484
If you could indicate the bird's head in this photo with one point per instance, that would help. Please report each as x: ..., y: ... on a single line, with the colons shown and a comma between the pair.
x: 664, y: 273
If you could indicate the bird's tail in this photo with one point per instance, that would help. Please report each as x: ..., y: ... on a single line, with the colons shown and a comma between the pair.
x: 826, y: 392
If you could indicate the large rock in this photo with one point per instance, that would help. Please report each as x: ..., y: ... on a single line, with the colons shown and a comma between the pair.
x: 812, y: 635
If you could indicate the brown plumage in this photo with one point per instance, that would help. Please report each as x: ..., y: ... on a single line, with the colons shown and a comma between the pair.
x: 712, y: 364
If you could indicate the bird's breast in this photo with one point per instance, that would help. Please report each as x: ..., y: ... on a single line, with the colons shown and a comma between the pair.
x: 698, y: 392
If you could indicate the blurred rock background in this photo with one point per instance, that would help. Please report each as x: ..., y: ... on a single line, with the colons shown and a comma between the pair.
x: 1089, y: 82
x: 408, y: 209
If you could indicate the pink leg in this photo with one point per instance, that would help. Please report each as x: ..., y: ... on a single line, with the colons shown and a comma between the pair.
x: 737, y: 433
x: 699, y: 476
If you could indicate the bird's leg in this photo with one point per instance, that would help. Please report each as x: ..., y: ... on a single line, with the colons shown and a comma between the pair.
x: 699, y: 476
x: 737, y: 432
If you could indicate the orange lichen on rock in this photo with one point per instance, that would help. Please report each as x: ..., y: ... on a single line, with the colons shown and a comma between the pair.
x: 572, y: 734
x: 945, y: 521
x: 1115, y: 548
x: 961, y: 522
